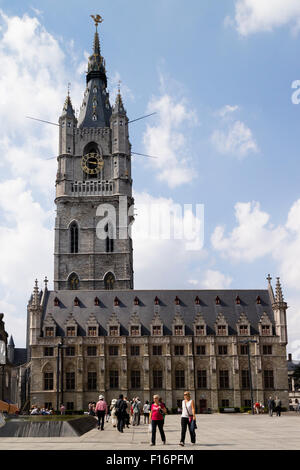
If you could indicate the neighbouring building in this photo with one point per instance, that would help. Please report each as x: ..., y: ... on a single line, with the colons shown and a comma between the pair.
x: 94, y: 333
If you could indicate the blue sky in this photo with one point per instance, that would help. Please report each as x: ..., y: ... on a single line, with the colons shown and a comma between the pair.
x: 219, y: 75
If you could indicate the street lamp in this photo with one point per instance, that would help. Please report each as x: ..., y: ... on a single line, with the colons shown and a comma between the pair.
x: 248, y: 341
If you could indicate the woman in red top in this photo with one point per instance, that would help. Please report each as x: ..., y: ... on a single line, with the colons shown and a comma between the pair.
x: 157, y: 419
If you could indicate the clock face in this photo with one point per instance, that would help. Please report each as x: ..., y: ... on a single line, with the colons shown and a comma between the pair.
x: 92, y: 163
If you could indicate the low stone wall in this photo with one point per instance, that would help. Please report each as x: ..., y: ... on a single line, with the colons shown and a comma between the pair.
x: 48, y: 428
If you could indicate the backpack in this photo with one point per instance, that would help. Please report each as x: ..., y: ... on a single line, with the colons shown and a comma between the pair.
x: 136, y: 408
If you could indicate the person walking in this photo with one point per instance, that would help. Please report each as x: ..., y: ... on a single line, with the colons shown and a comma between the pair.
x: 278, y: 406
x: 113, y: 412
x: 157, y: 419
x: 127, y: 416
x: 136, y: 412
x: 121, y: 407
x: 188, y: 418
x: 271, y: 406
x: 62, y: 409
x: 146, y: 410
x: 101, y: 410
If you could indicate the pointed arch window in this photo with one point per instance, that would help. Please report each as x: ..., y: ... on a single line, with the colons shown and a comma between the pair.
x: 109, y: 281
x: 109, y: 240
x: 73, y: 282
x: 74, y: 237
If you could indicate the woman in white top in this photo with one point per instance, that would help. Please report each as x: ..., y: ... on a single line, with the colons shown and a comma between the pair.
x: 188, y: 418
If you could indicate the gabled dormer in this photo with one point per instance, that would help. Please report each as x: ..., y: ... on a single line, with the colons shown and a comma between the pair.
x: 178, y: 325
x: 199, y: 325
x: 71, y: 326
x: 113, y: 325
x: 92, y: 326
x: 221, y: 325
x: 156, y: 324
x: 49, y: 326
x: 134, y: 325
x: 243, y: 325
x: 265, y: 326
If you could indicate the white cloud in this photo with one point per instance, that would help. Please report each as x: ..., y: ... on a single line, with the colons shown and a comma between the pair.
x: 252, y: 16
x: 167, y: 140
x: 167, y: 259
x: 227, y: 109
x: 236, y: 139
x: 213, y: 279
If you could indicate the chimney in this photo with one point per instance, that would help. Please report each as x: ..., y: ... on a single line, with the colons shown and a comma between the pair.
x: 290, y: 357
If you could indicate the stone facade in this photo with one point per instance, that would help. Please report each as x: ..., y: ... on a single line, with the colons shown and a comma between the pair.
x: 94, y: 334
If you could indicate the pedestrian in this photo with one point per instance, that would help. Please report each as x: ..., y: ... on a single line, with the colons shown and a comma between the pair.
x: 257, y: 406
x: 271, y: 406
x: 278, y: 406
x: 113, y: 412
x: 157, y: 420
x: 121, y: 407
x: 127, y: 416
x: 146, y: 410
x: 101, y: 410
x: 298, y: 407
x: 261, y: 407
x: 136, y: 412
x: 62, y: 409
x: 188, y: 418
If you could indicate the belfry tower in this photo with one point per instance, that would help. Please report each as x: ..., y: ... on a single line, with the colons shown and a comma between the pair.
x: 94, y: 189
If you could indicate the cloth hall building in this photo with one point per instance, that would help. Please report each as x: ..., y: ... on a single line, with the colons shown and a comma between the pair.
x: 94, y: 333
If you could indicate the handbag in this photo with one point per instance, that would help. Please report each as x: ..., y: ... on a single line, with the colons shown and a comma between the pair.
x: 190, y: 417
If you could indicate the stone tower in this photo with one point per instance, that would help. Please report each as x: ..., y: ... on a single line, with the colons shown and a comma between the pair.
x: 94, y: 189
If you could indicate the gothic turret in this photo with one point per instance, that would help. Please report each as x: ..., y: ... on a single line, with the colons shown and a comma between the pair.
x: 11, y: 350
x: 35, y: 313
x: 279, y: 307
x: 68, y: 123
x: 95, y: 110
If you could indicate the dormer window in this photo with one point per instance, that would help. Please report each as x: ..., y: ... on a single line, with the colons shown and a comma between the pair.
x: 218, y: 300
x: 178, y: 330
x: 71, y: 330
x: 156, y: 330
x: 197, y: 300
x: 116, y: 301
x: 156, y: 301
x: 49, y: 331
x: 200, y: 330
x: 265, y: 330
x: 56, y: 302
x: 76, y: 302
x: 258, y: 301
x: 96, y: 301
x: 136, y: 301
x: 134, y: 330
x: 222, y: 330
x: 113, y: 330
x: 92, y: 331
x: 177, y: 301
x: 237, y: 300
x: 244, y: 330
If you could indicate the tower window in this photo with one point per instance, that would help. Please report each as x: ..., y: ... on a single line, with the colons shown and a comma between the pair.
x: 109, y: 281
x: 73, y: 282
x: 74, y: 237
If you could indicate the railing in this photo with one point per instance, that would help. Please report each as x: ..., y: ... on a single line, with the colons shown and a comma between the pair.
x: 90, y: 188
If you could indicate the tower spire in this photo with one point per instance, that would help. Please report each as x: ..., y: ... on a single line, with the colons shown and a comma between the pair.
x: 279, y: 294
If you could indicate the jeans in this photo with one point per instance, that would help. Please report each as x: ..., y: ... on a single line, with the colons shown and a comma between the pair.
x: 278, y: 410
x: 121, y: 422
x: 100, y: 415
x: 146, y: 418
x: 185, y: 422
x: 135, y: 419
x: 271, y: 411
x: 160, y: 424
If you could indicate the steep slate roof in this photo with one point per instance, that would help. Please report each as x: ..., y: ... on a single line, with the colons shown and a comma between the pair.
x: 167, y: 308
x: 20, y: 356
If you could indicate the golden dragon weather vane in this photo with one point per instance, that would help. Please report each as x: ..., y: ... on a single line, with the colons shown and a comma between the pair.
x: 97, y: 19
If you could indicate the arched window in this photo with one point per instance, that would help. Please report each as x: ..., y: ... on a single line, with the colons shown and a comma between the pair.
x: 73, y: 281
x: 109, y: 240
x: 74, y: 235
x: 109, y: 281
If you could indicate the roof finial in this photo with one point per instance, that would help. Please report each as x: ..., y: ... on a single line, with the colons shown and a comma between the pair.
x: 279, y: 294
x: 69, y: 87
x: 97, y: 19
x: 46, y: 282
x: 269, y: 279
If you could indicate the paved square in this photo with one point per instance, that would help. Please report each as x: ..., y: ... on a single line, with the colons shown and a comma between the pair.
x: 215, y: 432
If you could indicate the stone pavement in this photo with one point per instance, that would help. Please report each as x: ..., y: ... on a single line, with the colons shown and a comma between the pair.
x: 215, y: 432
